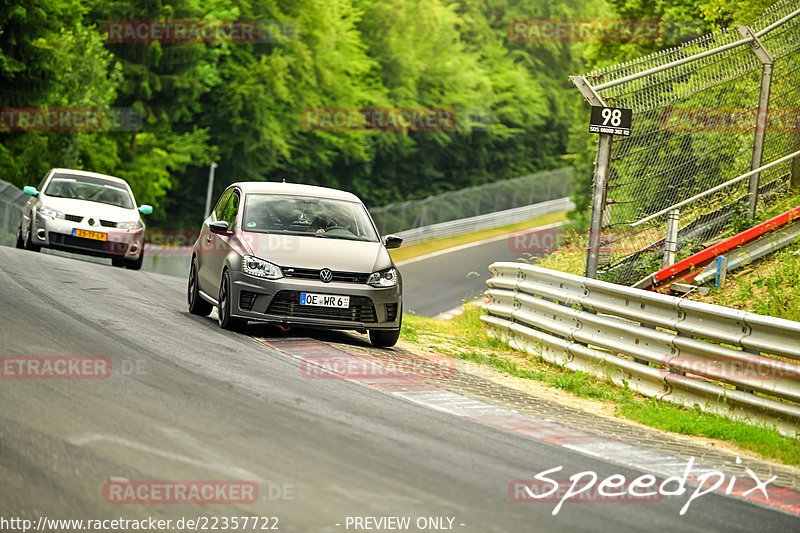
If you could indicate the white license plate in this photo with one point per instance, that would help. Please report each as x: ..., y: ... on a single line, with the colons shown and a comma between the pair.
x: 324, y: 300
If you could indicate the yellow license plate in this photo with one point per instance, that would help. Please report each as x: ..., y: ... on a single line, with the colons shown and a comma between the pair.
x: 86, y: 234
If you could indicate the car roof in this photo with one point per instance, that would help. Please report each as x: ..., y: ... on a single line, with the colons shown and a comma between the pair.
x: 272, y: 187
x: 87, y: 173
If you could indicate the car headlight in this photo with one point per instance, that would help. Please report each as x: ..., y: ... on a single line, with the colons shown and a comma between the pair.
x: 260, y: 268
x: 52, y: 213
x: 384, y: 278
x: 136, y: 224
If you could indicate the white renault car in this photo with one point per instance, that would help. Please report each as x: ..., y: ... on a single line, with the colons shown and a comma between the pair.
x: 86, y: 213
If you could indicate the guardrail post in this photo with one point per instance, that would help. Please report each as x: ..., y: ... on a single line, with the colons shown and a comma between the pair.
x: 761, y: 116
x: 722, y: 270
x: 671, y: 239
x: 602, y: 165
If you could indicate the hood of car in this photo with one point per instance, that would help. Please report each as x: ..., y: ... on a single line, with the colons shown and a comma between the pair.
x: 318, y: 252
x: 84, y: 208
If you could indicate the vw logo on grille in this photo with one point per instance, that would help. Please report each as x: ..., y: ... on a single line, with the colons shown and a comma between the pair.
x: 326, y: 275
x: 91, y: 222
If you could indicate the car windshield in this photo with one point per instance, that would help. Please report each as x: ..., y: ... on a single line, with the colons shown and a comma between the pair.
x: 91, y: 189
x: 302, y: 215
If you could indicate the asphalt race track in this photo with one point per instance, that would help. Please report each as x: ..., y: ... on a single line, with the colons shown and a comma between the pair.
x: 438, y: 282
x: 188, y: 401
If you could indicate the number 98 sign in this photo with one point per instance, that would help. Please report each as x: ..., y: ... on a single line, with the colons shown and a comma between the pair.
x: 613, y: 120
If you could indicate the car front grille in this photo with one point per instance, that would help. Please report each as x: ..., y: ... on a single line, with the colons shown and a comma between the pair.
x: 287, y: 304
x: 311, y: 273
x: 73, y: 218
x: 70, y: 241
x: 108, y: 224
x: 391, y: 312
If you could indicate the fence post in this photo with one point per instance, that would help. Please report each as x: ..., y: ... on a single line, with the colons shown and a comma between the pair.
x: 602, y: 165
x: 671, y: 239
x: 761, y: 116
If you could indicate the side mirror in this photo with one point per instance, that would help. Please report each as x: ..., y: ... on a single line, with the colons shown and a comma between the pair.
x: 392, y: 241
x: 31, y: 191
x: 220, y: 226
x: 146, y: 209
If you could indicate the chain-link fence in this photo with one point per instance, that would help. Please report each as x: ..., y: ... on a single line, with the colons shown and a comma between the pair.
x: 11, y: 202
x: 703, y: 113
x: 474, y: 201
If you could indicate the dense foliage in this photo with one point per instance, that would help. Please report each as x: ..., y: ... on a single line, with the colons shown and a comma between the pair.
x: 240, y: 103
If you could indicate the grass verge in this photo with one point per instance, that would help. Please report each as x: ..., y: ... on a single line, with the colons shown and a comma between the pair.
x: 464, y: 337
x: 434, y: 245
x: 768, y: 287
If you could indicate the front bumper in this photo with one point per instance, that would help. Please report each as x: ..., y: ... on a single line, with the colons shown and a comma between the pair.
x: 57, y: 233
x: 278, y: 301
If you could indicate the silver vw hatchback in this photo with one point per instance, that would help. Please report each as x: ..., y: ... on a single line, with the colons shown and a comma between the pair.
x: 296, y: 255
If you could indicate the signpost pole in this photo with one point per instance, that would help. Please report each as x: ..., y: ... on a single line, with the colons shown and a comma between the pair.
x: 607, y: 122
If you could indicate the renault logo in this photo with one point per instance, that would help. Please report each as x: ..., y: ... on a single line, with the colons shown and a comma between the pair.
x: 326, y: 275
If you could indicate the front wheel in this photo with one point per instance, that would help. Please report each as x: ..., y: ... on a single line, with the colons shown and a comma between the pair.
x: 385, y: 338
x: 135, y: 264
x: 29, y: 241
x: 197, y: 306
x: 226, y: 321
x: 20, y: 239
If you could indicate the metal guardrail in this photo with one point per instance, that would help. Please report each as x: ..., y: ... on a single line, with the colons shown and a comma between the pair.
x: 682, y: 351
x: 11, y: 201
x: 487, y: 221
x: 474, y: 201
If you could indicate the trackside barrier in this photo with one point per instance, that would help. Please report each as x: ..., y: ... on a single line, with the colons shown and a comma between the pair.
x: 726, y: 361
x: 487, y: 221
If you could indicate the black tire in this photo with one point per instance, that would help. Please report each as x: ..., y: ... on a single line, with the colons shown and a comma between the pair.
x: 135, y: 264
x: 29, y: 241
x: 20, y: 240
x: 197, y: 306
x: 118, y: 261
x: 386, y: 338
x: 226, y: 321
